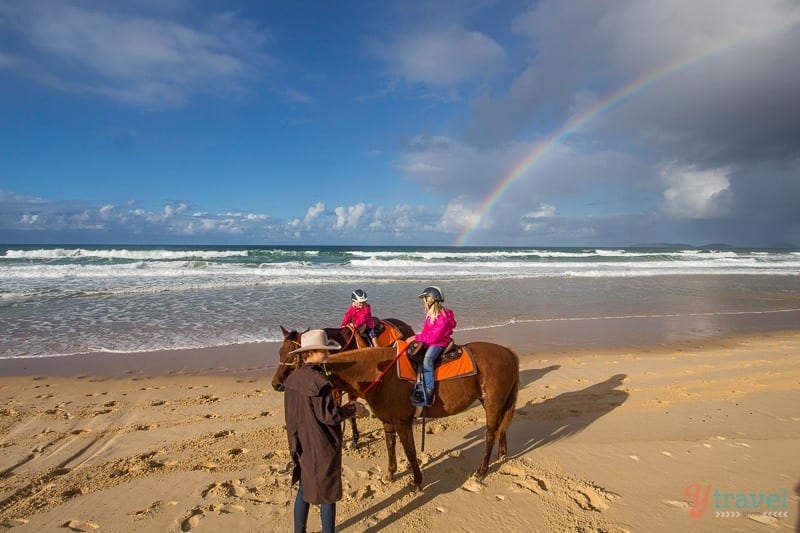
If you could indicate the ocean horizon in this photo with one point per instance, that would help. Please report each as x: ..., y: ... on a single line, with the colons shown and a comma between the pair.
x: 71, y: 299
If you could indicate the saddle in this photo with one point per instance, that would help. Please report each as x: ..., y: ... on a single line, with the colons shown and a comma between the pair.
x: 386, y: 334
x: 456, y: 361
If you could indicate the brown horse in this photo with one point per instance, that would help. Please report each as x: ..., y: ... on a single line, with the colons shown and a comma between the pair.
x: 391, y: 329
x: 367, y: 373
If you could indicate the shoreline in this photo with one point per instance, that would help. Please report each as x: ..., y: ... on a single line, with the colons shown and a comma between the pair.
x: 258, y: 359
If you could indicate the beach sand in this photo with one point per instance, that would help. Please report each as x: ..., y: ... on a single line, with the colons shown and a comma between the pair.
x: 636, y: 438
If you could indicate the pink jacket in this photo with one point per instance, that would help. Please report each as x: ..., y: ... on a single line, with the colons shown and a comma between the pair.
x: 359, y: 316
x: 437, y: 332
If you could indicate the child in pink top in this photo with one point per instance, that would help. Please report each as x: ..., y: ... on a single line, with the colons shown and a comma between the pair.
x: 435, y: 335
x: 359, y: 314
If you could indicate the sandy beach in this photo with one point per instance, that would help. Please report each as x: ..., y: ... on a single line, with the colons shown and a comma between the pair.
x: 697, y: 436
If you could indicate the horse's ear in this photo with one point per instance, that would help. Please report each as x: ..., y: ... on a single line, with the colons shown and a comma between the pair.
x: 284, y: 331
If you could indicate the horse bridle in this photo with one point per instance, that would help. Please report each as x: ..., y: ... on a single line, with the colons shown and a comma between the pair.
x: 359, y: 394
x: 296, y: 360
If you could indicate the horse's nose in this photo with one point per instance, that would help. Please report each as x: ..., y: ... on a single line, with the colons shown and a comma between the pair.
x: 278, y: 387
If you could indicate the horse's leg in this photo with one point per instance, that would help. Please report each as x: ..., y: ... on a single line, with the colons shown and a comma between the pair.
x: 354, y: 427
x: 498, y: 417
x: 391, y: 444
x: 407, y: 440
x: 492, y: 423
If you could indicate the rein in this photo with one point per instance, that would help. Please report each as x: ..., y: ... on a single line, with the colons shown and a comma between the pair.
x: 352, y: 336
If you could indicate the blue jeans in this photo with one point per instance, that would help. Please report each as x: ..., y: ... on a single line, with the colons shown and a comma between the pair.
x: 431, y: 355
x: 327, y: 513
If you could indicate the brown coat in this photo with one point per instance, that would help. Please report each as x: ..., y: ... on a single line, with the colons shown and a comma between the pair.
x: 313, y: 425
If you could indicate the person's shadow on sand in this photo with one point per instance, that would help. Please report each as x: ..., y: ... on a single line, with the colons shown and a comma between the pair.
x: 539, y: 424
x: 526, y: 377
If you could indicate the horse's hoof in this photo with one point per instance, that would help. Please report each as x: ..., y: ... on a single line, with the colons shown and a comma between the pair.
x: 388, y: 478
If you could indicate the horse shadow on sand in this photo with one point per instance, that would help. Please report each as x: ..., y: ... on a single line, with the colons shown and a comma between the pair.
x: 444, y: 471
x: 565, y: 415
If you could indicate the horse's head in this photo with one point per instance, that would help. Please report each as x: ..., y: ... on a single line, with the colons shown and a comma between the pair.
x: 287, y: 361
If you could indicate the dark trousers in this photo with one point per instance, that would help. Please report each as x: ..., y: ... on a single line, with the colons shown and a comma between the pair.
x: 327, y: 512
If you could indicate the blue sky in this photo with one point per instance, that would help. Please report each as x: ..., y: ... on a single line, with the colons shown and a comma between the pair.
x: 360, y: 122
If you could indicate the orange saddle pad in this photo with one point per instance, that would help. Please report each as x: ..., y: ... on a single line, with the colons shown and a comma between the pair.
x: 452, y: 368
x: 389, y: 334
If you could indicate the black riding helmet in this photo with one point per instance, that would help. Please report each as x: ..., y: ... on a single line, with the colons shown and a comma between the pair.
x: 434, y: 292
x: 359, y: 295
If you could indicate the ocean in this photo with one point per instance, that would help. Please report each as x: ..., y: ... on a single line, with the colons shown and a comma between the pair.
x: 62, y: 300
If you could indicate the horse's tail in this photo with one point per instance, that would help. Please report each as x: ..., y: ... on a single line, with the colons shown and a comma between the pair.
x: 511, y: 402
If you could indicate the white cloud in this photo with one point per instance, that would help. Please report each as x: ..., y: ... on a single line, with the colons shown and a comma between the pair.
x: 458, y: 215
x: 692, y: 193
x: 537, y: 221
x: 543, y: 211
x: 136, y: 58
x: 349, y: 217
x: 442, y: 58
x: 313, y: 213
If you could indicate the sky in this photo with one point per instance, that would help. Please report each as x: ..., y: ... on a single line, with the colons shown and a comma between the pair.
x: 453, y: 122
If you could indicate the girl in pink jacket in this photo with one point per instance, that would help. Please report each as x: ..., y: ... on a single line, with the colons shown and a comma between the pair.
x: 435, y: 335
x: 359, y: 314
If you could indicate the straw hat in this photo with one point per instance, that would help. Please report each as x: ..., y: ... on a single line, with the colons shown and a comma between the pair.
x: 316, y: 339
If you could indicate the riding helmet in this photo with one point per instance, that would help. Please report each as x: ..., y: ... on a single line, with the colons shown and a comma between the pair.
x: 359, y: 295
x: 434, y: 292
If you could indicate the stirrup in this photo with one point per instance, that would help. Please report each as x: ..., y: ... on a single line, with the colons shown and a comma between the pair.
x: 419, y: 396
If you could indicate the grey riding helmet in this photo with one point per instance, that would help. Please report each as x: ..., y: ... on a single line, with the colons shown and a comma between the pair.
x: 434, y: 292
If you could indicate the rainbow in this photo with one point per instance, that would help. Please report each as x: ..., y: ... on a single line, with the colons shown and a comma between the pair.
x: 610, y: 101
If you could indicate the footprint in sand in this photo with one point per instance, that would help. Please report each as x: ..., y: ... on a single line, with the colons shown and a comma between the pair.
x: 231, y: 508
x: 590, y: 499
x: 232, y: 488
x: 677, y: 504
x: 154, y: 508
x: 763, y: 519
x: 78, y: 525
x: 191, y: 522
x: 472, y: 485
x: 12, y: 522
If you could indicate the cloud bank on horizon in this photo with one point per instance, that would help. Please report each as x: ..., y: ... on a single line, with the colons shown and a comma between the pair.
x: 480, y: 123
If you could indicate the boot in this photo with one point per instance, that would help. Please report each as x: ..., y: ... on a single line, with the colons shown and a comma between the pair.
x: 429, y: 397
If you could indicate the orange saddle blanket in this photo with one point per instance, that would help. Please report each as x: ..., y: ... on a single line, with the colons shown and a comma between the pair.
x: 448, y: 369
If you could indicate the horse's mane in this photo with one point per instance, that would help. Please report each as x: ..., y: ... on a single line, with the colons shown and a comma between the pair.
x: 362, y: 356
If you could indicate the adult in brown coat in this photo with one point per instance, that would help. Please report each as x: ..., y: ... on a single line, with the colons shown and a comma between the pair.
x: 313, y: 425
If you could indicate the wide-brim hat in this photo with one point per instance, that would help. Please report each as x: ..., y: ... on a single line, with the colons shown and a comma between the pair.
x: 316, y: 339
